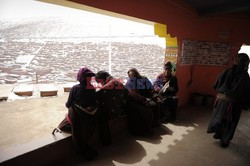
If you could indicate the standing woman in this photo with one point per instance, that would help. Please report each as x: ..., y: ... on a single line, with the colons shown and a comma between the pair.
x: 233, y: 89
x: 82, y: 116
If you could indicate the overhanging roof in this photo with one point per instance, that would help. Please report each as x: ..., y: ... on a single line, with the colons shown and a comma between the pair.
x: 215, y: 7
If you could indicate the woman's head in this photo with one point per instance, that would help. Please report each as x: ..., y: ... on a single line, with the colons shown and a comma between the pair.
x: 133, y: 72
x: 102, y: 76
x: 242, y: 60
x: 83, y: 74
x: 168, y: 68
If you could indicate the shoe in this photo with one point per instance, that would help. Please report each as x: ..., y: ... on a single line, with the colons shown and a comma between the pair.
x: 217, y: 136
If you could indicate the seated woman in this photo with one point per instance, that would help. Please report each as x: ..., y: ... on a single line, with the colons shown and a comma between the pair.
x: 111, y: 99
x: 82, y: 115
x: 142, y: 108
x: 166, y: 85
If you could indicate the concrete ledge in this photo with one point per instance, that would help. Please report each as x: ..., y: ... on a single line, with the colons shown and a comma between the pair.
x: 24, y: 90
x: 48, y: 93
x: 47, y: 90
x: 5, y: 89
x: 45, y: 151
x: 52, y: 148
x: 26, y: 93
x: 2, y: 98
x: 66, y: 89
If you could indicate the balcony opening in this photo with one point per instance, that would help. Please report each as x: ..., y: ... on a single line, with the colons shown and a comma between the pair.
x: 245, y: 49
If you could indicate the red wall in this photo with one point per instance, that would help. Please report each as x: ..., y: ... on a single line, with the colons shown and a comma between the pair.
x: 183, y: 23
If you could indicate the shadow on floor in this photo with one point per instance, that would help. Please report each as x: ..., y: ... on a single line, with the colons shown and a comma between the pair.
x: 122, y: 147
x: 184, y: 142
x: 157, y: 137
x: 199, y: 148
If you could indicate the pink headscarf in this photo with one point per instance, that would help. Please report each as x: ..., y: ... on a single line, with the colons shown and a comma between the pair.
x: 83, y: 73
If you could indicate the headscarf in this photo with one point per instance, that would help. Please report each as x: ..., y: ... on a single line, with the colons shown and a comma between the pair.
x: 102, y: 75
x: 83, y: 73
x: 242, y: 61
x: 231, y: 80
x: 134, y: 70
x: 168, y: 65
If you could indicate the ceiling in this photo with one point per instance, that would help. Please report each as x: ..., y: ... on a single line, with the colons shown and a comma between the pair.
x: 215, y: 7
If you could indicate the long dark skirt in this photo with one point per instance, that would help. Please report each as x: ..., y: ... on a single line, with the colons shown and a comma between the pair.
x: 140, y: 118
x: 224, y: 120
x: 169, y: 105
x: 104, y: 129
x: 82, y: 128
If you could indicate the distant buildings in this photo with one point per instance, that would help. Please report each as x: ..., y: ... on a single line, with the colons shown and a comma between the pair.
x: 55, y: 61
x: 49, y: 49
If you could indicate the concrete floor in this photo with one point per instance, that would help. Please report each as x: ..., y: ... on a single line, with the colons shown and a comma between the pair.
x: 182, y: 143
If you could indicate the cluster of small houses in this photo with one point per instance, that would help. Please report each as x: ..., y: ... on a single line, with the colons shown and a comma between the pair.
x: 58, y: 62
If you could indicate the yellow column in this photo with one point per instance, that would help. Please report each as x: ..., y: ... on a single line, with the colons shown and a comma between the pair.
x: 171, y: 43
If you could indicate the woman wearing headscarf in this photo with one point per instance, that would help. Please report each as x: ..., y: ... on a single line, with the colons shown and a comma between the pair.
x: 82, y: 116
x: 142, y: 107
x: 166, y: 85
x: 112, y: 98
x: 233, y: 89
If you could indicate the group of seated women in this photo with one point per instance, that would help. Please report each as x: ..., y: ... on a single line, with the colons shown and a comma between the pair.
x: 143, y: 103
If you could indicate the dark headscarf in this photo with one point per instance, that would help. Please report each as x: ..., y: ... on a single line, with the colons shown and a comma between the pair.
x: 83, y: 73
x: 243, y: 60
x: 233, y: 79
x: 134, y: 70
x: 103, y: 75
x: 168, y: 65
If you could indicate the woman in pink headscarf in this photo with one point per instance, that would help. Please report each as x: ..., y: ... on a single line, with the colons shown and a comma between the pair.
x: 82, y: 115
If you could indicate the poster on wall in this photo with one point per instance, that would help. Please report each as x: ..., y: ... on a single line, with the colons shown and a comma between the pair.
x: 205, y: 53
x: 171, y: 55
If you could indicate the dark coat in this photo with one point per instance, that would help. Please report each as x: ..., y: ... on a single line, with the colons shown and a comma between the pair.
x: 161, y: 80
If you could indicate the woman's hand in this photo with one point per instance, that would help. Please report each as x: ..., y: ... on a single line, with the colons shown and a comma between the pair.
x: 147, y: 101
